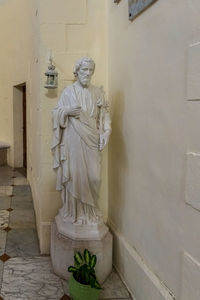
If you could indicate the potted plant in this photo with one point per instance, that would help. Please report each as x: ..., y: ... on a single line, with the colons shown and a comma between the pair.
x: 83, y: 284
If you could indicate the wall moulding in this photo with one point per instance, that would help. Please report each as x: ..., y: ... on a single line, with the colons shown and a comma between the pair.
x: 193, y: 72
x: 190, y: 287
x: 192, y: 188
x: 146, y: 281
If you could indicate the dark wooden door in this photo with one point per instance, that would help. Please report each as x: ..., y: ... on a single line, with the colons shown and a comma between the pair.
x: 24, y: 128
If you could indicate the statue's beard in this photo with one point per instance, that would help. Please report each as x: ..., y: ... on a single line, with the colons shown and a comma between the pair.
x: 84, y: 81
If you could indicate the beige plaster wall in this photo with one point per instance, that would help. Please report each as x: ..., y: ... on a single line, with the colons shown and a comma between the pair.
x: 69, y: 29
x: 152, y: 76
x: 17, y: 50
x: 19, y: 60
x: 29, y: 31
x: 19, y: 36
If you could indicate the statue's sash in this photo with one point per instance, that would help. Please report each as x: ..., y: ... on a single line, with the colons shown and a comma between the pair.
x: 85, y: 128
x: 89, y: 135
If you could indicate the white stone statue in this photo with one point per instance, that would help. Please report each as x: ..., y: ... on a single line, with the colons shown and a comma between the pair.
x: 81, y: 130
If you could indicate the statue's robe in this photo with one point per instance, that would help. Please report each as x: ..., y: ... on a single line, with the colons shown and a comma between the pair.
x: 77, y: 158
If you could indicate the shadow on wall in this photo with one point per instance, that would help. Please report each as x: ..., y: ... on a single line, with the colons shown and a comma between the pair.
x: 117, y: 160
x: 52, y: 94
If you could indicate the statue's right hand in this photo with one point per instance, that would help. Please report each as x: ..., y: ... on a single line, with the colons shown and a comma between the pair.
x: 73, y: 111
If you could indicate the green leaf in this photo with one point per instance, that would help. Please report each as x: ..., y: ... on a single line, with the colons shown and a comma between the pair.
x: 87, y: 256
x: 87, y: 278
x: 83, y: 268
x: 72, y: 269
x: 77, y: 276
x: 78, y: 258
x: 92, y: 271
x: 97, y: 285
x: 93, y: 261
x: 92, y: 281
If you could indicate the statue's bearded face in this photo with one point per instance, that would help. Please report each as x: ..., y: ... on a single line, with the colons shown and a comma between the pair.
x: 85, y: 73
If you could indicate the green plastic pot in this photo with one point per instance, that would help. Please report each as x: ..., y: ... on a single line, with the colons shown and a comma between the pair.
x: 80, y: 291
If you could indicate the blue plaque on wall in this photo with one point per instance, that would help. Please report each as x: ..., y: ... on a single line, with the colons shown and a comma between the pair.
x: 137, y: 6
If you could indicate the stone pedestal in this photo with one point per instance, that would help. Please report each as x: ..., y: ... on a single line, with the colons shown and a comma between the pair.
x: 63, y: 249
x: 79, y: 231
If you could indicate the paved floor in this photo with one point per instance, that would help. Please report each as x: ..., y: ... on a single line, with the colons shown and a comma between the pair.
x: 24, y: 273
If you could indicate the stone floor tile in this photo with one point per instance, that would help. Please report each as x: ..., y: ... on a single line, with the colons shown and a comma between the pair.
x: 20, y: 181
x: 6, y: 180
x: 21, y: 199
x: 9, y: 209
x: 22, y: 190
x: 5, y: 202
x: 18, y: 203
x: 22, y: 218
x: 6, y: 190
x: 7, y: 229
x: 30, y: 278
x: 4, y: 218
x: 6, y: 170
x: 3, y: 237
x: 113, y: 288
x: 1, y: 272
x: 22, y: 242
x: 4, y: 257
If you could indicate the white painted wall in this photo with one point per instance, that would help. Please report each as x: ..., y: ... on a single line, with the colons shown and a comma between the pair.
x: 154, y: 127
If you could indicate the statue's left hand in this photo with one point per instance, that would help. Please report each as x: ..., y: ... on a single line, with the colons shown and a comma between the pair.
x: 104, y: 138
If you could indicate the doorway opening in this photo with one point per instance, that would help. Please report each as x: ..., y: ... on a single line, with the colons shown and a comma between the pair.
x: 20, y: 126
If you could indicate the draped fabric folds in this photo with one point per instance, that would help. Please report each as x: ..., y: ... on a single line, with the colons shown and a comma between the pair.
x: 76, y: 156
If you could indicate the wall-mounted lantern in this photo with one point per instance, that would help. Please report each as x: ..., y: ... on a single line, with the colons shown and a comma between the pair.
x: 52, y: 76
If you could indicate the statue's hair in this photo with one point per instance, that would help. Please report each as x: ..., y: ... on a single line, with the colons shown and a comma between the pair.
x: 80, y: 62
